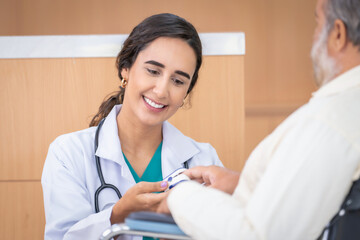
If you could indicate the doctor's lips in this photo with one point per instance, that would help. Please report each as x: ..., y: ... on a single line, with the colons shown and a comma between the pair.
x: 154, y: 104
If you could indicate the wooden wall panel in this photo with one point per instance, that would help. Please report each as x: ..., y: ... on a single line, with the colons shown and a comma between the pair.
x: 43, y: 98
x: 278, y: 33
x: 217, y: 112
x: 261, y: 120
x: 257, y: 128
x: 43, y: 17
x: 21, y: 210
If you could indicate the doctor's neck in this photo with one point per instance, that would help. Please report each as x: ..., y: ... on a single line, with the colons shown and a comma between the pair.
x: 134, y: 134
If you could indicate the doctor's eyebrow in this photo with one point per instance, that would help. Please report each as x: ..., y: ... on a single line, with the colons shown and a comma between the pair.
x: 155, y: 63
x: 163, y: 66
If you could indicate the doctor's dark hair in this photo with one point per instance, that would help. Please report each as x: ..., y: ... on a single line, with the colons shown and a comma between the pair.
x: 153, y: 27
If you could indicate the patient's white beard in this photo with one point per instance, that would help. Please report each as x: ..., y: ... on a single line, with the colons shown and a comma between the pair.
x: 325, y: 67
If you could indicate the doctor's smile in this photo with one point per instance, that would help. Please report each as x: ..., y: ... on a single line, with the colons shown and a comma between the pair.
x: 152, y: 105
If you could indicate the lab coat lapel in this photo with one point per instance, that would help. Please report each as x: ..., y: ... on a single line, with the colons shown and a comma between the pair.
x: 109, y: 143
x: 177, y: 149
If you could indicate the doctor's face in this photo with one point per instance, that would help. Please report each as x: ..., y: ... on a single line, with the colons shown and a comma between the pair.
x: 158, y: 80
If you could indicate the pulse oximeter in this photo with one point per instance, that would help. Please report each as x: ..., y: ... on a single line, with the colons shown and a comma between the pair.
x: 175, y: 178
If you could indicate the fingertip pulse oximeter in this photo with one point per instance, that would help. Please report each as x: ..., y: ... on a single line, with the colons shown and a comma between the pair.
x: 175, y: 178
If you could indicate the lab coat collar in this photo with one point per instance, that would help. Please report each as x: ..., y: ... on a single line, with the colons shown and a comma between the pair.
x: 176, y: 148
x: 109, y: 142
x: 345, y: 81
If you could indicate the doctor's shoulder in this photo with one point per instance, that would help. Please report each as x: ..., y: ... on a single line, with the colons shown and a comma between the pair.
x: 73, y: 146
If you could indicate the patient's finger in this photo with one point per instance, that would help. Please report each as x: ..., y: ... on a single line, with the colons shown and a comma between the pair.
x: 196, y: 173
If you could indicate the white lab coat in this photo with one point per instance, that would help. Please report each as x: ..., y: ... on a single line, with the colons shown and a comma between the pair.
x: 70, y: 178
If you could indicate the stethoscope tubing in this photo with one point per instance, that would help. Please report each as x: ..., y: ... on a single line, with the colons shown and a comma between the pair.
x: 99, y: 171
x: 103, y: 184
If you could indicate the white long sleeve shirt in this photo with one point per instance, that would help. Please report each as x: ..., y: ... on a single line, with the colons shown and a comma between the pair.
x: 293, y: 182
x: 70, y: 178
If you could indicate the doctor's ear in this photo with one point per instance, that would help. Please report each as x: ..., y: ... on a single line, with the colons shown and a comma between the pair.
x: 125, y: 73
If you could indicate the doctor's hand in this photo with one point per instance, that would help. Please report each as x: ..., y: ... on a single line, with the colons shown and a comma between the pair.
x: 141, y: 197
x: 214, y: 176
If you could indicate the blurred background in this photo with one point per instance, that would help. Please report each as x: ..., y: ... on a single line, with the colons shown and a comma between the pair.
x: 277, y: 71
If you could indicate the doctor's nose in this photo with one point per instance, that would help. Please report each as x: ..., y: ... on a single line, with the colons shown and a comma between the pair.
x: 161, y: 88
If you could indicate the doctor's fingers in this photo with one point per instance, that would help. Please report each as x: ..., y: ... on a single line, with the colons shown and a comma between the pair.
x: 150, y: 187
x: 151, y: 201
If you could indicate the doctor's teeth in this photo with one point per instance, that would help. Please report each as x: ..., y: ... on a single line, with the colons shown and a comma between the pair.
x: 151, y: 103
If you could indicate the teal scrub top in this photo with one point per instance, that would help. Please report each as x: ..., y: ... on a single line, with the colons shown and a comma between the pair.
x: 152, y: 172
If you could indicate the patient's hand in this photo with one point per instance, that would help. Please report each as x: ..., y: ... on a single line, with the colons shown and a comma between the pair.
x: 214, y: 176
x: 163, y: 207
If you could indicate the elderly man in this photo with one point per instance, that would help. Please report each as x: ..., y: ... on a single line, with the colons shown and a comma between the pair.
x: 296, y: 179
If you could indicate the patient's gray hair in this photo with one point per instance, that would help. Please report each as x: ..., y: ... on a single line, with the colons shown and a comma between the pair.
x: 349, y: 12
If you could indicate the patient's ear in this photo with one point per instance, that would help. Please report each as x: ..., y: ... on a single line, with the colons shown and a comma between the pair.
x: 337, y: 39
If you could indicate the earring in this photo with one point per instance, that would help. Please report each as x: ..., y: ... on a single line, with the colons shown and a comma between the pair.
x: 124, y: 82
x: 182, y: 103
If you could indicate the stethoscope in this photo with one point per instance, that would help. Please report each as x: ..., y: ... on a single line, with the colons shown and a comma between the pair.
x: 103, y: 184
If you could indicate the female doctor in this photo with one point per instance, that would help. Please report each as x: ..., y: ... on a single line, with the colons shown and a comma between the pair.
x: 136, y: 147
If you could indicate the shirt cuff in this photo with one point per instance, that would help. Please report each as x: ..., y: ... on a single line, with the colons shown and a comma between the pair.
x: 207, y: 213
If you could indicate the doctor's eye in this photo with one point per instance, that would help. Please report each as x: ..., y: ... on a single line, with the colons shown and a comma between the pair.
x: 152, y: 71
x: 177, y: 81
